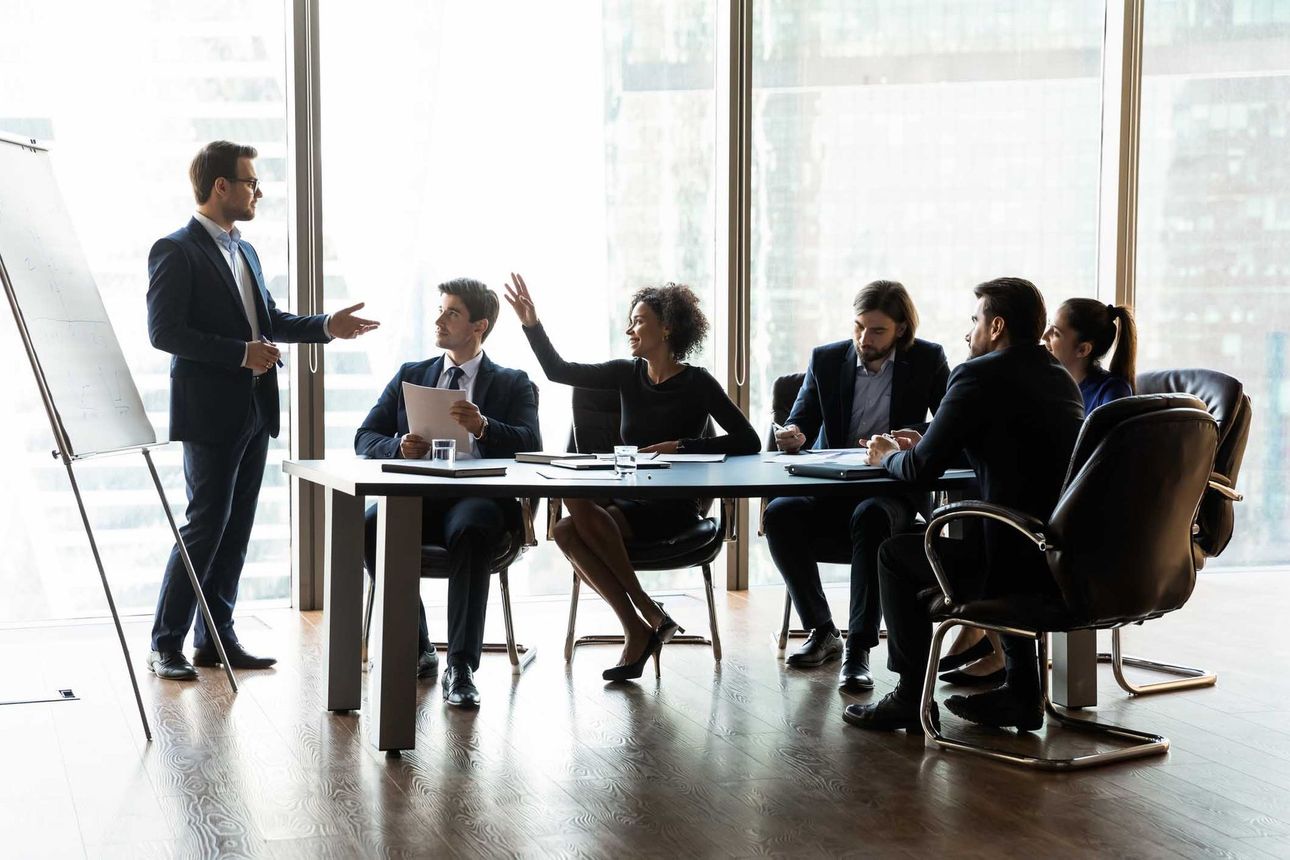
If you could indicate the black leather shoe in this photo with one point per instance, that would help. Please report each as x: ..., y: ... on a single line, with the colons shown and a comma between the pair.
x: 824, y: 644
x: 982, y: 647
x: 855, y: 675
x: 428, y: 663
x: 1000, y: 709
x: 171, y: 665
x: 459, y: 686
x: 238, y: 657
x: 889, y: 714
x: 959, y: 678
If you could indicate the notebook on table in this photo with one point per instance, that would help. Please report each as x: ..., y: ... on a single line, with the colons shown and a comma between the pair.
x: 836, y: 471
x: 444, y: 471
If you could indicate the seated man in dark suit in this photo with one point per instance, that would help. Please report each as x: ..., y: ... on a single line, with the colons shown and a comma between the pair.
x: 882, y: 379
x: 499, y: 409
x: 1016, y: 413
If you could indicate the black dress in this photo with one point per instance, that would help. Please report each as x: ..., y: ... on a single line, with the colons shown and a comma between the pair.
x: 678, y: 408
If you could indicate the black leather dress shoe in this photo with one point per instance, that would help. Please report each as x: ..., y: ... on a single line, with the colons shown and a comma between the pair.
x: 459, y: 686
x: 855, y: 675
x: 982, y: 647
x: 171, y: 665
x: 428, y: 663
x: 824, y: 644
x: 889, y: 714
x: 238, y: 657
x: 1001, y: 709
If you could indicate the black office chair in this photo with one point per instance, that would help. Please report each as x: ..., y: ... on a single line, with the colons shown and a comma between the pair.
x: 596, y: 417
x: 1118, y: 544
x: 519, y: 536
x: 783, y: 395
x: 1225, y: 399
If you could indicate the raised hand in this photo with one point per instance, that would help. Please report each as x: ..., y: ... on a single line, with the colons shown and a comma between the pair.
x: 344, y: 324
x: 517, y: 296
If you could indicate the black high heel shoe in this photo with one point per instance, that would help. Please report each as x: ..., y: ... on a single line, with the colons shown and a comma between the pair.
x: 983, y: 647
x: 636, y: 668
x: 667, y: 628
x: 959, y: 678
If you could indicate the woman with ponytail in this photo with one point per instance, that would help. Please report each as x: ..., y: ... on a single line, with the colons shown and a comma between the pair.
x: 1084, y: 331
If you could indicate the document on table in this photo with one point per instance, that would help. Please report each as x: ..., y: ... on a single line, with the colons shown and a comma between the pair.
x: 832, y: 456
x: 558, y: 474
x: 692, y: 458
x: 428, y: 415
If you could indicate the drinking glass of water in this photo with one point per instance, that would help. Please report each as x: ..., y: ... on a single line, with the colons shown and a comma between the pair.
x: 443, y: 453
x: 624, y: 461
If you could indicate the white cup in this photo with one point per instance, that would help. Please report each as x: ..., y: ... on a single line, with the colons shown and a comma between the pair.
x: 624, y: 461
x: 443, y: 452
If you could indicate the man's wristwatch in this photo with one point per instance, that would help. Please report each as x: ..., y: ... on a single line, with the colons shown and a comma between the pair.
x: 483, y: 428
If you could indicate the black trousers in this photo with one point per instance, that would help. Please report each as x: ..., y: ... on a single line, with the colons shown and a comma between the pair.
x: 222, y: 480
x: 802, y: 531
x: 904, y: 571
x: 471, y: 530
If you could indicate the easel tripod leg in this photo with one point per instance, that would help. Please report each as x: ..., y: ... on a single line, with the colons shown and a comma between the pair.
x: 192, y: 574
x: 107, y: 591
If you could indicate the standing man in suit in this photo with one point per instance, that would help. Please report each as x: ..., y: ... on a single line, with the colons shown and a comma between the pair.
x: 1016, y: 413
x: 882, y: 379
x: 208, y: 307
x: 499, y: 410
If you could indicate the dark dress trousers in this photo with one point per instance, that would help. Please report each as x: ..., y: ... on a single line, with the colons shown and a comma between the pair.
x: 1016, y: 414
x: 469, y: 528
x: 801, y: 530
x: 222, y: 414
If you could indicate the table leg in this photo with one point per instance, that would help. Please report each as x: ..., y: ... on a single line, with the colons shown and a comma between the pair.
x: 343, y: 601
x: 393, y: 642
x: 1075, y: 669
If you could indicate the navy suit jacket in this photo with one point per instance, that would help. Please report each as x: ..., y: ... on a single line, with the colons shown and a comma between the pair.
x: 1016, y: 413
x: 822, y: 410
x: 195, y: 313
x: 506, y: 398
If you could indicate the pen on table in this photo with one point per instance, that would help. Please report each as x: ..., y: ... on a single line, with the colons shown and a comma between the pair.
x: 264, y: 339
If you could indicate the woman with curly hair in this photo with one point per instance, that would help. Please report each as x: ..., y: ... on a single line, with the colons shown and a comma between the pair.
x: 665, y: 406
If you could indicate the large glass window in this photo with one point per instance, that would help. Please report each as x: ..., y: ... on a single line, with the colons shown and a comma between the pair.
x: 1213, y: 280
x: 935, y: 143
x: 124, y: 115
x: 574, y: 143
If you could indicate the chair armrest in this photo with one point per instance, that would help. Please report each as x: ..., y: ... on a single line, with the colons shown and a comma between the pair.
x: 1222, y: 485
x: 1029, y: 526
x: 729, y: 520
x: 554, y: 511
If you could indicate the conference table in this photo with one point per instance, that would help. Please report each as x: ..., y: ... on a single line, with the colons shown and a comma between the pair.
x: 348, y: 483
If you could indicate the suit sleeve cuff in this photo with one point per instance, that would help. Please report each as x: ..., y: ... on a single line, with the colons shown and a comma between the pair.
x: 327, y: 328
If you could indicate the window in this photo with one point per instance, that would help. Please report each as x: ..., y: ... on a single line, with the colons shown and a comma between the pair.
x: 1213, y: 279
x: 124, y: 116
x: 938, y: 144
x: 573, y: 143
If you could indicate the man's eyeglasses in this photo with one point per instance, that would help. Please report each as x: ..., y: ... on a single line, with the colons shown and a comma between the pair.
x: 254, y: 183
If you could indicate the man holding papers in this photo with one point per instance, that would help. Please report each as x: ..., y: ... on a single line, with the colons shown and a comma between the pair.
x: 498, y: 410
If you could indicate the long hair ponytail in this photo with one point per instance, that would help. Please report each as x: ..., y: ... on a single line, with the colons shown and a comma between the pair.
x: 1104, y: 326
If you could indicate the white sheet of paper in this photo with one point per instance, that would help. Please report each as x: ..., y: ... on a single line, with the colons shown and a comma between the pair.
x: 692, y: 458
x: 803, y: 458
x: 428, y: 415
x: 558, y: 474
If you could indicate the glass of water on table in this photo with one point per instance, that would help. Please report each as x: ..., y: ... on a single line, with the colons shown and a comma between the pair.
x: 624, y: 461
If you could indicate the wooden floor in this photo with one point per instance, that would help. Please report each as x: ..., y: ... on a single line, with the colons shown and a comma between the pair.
x: 747, y: 759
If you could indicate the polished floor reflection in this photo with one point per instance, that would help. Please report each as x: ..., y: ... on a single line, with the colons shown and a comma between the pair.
x: 748, y: 759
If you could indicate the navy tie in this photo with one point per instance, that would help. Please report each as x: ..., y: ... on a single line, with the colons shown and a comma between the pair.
x: 454, y: 378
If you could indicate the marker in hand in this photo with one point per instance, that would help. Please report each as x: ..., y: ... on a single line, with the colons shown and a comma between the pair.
x: 265, y: 340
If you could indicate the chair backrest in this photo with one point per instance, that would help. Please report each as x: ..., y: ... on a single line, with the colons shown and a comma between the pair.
x: 596, y: 420
x: 782, y: 397
x: 1225, y: 398
x: 1122, y: 527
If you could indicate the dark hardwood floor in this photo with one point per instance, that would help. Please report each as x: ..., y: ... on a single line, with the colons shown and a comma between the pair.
x: 745, y: 759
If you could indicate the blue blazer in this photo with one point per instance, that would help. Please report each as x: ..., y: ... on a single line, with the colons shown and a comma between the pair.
x: 195, y: 313
x: 506, y: 398
x: 822, y: 410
